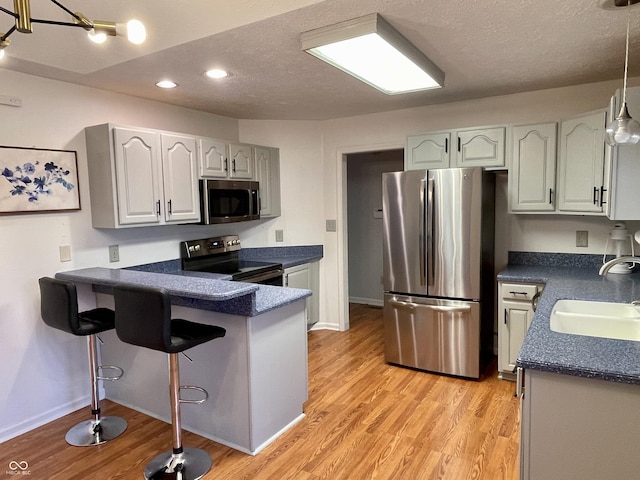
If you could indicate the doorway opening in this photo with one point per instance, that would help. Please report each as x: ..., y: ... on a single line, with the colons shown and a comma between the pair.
x: 364, y: 222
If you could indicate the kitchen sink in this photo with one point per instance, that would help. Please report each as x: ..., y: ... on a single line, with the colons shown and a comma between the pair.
x: 596, y: 319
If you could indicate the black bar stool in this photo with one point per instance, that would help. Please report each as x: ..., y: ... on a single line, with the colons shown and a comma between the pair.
x: 59, y: 309
x: 143, y: 318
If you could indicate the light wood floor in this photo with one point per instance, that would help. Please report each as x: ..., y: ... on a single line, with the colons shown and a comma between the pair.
x: 364, y: 420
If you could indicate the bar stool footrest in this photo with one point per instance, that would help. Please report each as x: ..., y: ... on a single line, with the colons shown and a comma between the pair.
x: 110, y: 378
x: 193, y: 387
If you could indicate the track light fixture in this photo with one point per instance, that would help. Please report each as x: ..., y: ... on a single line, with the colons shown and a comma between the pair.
x: 98, y: 30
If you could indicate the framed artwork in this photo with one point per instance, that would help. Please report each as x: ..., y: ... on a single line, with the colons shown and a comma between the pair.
x: 38, y: 180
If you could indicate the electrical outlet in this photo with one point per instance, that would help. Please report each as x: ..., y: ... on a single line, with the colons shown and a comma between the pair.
x: 582, y: 238
x: 279, y: 236
x: 65, y: 253
x: 114, y: 253
x: 331, y: 226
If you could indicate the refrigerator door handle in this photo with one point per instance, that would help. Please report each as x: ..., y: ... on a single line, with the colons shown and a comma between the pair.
x: 429, y: 248
x: 407, y: 305
x: 423, y: 188
x: 437, y: 308
x: 443, y: 308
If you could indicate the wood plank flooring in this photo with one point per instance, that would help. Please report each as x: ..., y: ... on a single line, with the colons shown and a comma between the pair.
x: 365, y: 420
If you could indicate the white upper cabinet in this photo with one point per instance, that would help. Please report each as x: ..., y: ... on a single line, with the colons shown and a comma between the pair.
x: 472, y: 147
x: 581, y: 164
x: 428, y: 151
x: 141, y: 177
x: 137, y: 172
x: 212, y: 155
x: 532, y: 174
x: 624, y: 198
x: 480, y: 147
x: 241, y: 161
x: 267, y: 173
x: 180, y: 178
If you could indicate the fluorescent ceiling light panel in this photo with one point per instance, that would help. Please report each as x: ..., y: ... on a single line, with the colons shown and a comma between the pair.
x: 371, y: 50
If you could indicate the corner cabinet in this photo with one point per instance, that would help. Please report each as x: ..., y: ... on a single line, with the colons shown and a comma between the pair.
x: 473, y: 147
x: 581, y: 165
x: 515, y: 313
x: 141, y: 177
x: 267, y: 173
x: 532, y: 174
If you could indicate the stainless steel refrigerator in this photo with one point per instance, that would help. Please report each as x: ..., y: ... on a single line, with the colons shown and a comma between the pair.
x: 438, y: 269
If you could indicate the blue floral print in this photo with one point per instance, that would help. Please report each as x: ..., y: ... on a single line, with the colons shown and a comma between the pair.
x: 25, y: 179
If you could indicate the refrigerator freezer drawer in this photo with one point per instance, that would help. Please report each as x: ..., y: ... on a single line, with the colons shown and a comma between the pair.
x: 432, y: 334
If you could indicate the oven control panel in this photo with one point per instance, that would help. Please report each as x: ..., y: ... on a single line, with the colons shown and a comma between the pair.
x: 209, y: 246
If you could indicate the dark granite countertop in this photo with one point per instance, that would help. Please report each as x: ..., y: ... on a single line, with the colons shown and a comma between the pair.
x: 201, y: 291
x: 591, y: 357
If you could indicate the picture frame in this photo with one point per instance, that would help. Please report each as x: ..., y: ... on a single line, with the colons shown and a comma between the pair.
x: 38, y: 180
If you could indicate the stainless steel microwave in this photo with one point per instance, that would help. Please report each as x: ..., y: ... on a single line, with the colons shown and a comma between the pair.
x: 225, y: 201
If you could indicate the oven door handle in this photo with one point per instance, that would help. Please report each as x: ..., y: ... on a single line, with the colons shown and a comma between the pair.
x: 264, y: 276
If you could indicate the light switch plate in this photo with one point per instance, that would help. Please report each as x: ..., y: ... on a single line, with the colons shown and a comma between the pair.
x: 331, y: 226
x: 582, y: 238
x: 114, y: 253
x: 279, y: 236
x: 65, y: 253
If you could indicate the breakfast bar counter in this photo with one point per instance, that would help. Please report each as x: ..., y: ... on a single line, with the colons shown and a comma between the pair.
x: 256, y: 375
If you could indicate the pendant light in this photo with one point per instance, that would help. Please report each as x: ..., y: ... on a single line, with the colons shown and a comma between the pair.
x: 624, y: 130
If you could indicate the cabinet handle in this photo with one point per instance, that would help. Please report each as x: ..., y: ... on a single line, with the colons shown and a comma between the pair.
x: 459, y: 145
x: 286, y: 280
x: 446, y: 145
x: 158, y: 207
x: 233, y: 165
x: 602, y: 190
x: 226, y: 165
x: 551, y: 196
x: 595, y: 195
x: 505, y: 316
x: 170, y: 209
x: 518, y: 293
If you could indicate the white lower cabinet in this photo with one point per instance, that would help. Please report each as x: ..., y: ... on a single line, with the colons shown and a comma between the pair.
x: 306, y: 276
x: 578, y: 428
x: 515, y: 313
x: 140, y: 177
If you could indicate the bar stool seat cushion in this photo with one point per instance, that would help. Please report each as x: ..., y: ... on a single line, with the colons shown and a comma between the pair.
x: 143, y: 318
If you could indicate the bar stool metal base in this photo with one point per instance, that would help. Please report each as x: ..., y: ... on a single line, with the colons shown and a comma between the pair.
x: 191, y: 464
x: 90, y: 432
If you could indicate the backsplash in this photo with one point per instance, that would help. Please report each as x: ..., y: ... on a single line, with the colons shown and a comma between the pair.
x: 576, y: 260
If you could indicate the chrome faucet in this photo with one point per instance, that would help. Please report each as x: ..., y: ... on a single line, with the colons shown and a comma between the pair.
x: 607, y: 266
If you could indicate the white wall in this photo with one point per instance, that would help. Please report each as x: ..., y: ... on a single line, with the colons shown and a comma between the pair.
x: 44, y: 372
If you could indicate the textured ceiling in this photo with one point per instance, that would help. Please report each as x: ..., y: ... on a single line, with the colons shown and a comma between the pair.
x: 485, y: 48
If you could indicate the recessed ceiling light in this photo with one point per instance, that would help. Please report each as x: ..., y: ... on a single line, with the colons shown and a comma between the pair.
x: 216, y: 73
x: 166, y: 84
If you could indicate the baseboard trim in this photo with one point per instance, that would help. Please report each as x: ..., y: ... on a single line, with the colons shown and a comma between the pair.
x: 367, y: 301
x: 44, y: 418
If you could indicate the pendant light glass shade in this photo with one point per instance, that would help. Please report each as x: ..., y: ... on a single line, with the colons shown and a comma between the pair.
x: 624, y: 130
